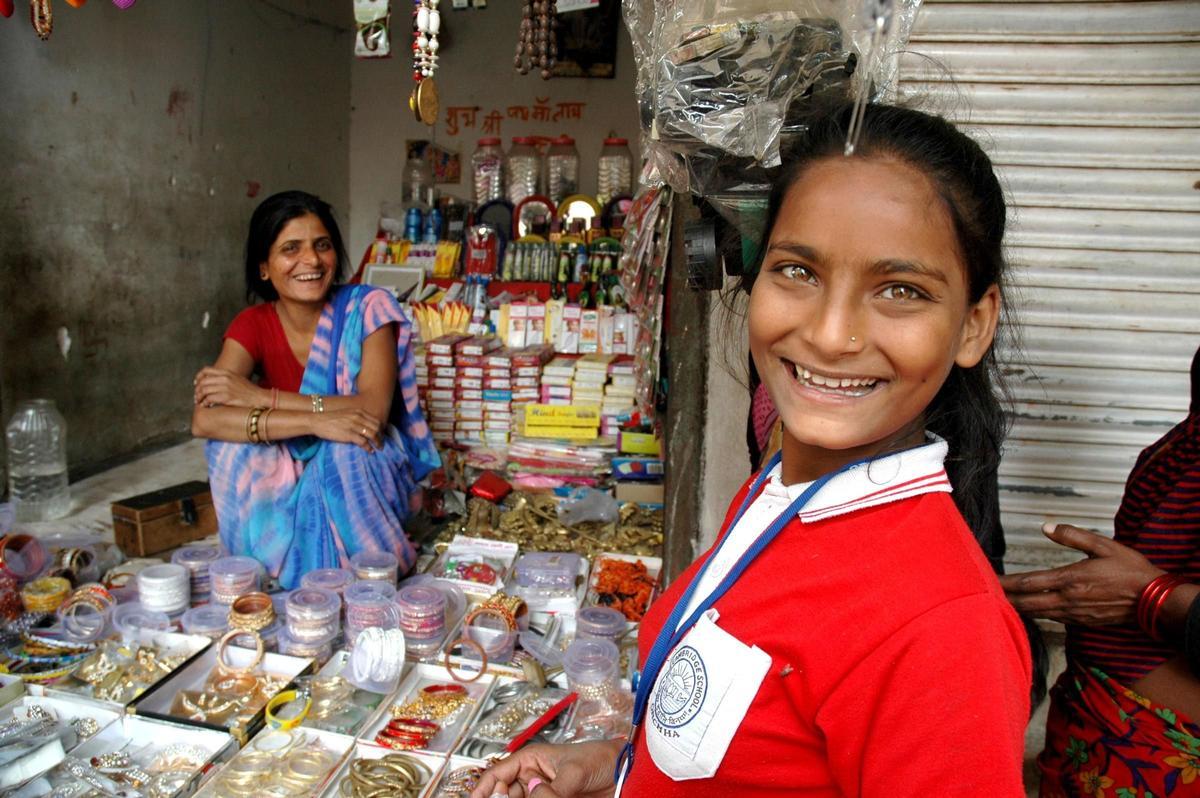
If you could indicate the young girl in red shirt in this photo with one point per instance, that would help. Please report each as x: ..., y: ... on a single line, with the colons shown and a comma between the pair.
x: 845, y: 636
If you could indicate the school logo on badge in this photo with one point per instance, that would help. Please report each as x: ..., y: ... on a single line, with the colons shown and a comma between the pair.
x: 680, y: 691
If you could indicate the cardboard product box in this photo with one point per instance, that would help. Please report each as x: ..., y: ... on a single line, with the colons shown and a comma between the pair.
x: 469, y: 394
x: 164, y: 519
x: 639, y: 443
x: 640, y: 492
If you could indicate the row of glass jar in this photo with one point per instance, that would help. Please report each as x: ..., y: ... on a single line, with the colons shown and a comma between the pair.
x: 523, y: 171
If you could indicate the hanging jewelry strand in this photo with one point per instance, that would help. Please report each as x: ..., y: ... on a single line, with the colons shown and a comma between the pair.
x: 537, y: 39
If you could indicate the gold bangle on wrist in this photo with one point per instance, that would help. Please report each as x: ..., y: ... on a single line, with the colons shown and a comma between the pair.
x: 318, y: 403
x: 252, y: 421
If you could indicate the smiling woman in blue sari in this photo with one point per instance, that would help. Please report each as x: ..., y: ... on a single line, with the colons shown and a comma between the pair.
x: 316, y: 438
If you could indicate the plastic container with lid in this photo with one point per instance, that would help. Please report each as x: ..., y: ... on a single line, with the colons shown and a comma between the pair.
x: 548, y: 569
x: 231, y: 577
x: 524, y: 167
x: 591, y: 664
x: 614, y: 170
x: 313, y: 613
x: 422, y: 612
x: 370, y: 603
x: 487, y: 170
x: 382, y: 566
x: 599, y: 623
x: 23, y: 556
x: 132, y: 621
x: 165, y: 587
x: 562, y: 169
x: 210, y: 620
x: 320, y: 649
x: 335, y: 579
x: 197, y: 559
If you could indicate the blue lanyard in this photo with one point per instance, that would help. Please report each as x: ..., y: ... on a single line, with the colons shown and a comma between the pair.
x: 673, y: 632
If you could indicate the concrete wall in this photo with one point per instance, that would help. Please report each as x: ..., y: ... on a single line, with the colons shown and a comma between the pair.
x: 134, y: 146
x: 475, y: 71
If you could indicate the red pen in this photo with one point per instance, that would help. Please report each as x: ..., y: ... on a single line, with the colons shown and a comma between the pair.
x: 539, y: 724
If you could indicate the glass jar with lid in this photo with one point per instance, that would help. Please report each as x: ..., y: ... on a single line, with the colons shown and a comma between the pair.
x: 562, y: 169
x: 614, y: 169
x: 487, y: 170
x: 524, y: 166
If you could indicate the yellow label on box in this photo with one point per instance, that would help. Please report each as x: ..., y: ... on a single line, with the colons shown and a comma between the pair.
x: 563, y: 415
x: 639, y: 443
x: 570, y: 433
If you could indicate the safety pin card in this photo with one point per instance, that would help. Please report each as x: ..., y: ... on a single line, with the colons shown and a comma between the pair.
x: 432, y: 764
x: 410, y: 695
x: 144, y: 740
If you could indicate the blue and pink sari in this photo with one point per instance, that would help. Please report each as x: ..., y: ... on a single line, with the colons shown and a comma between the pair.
x: 309, y: 503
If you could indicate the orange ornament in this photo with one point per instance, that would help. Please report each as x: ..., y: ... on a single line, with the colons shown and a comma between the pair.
x: 76, y: 3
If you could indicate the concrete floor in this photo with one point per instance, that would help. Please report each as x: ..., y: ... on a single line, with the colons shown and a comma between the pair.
x: 91, y: 512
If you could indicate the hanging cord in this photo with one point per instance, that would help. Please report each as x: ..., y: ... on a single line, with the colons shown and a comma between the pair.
x: 879, y: 15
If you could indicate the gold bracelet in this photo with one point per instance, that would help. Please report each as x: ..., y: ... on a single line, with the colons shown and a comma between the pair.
x: 318, y: 403
x: 252, y: 421
x: 263, y: 421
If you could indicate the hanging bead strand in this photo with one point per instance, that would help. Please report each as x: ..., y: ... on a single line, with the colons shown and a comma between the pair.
x: 427, y: 23
x: 537, y: 39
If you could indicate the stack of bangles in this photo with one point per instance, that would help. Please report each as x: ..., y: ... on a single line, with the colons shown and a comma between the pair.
x: 1151, y: 601
x: 46, y: 594
x: 46, y: 659
x: 252, y: 612
x: 390, y: 775
x: 407, y: 734
x: 511, y: 608
x: 93, y: 595
x: 223, y: 665
x: 256, y: 424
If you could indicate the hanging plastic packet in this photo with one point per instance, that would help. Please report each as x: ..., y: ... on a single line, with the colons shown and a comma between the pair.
x: 876, y: 17
x: 372, y: 38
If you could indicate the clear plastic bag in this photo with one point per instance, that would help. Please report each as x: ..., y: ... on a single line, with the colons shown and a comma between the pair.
x: 722, y: 84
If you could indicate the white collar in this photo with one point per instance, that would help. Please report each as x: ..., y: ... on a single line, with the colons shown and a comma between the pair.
x: 887, y: 479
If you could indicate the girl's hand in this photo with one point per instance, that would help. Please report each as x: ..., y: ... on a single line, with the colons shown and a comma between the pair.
x: 349, y: 426
x: 581, y: 770
x: 214, y: 386
x: 1100, y: 591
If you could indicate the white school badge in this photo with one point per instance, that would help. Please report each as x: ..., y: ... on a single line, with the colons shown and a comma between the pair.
x: 700, y: 699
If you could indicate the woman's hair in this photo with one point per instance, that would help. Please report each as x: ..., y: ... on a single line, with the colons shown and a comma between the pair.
x: 268, y: 219
x: 966, y: 411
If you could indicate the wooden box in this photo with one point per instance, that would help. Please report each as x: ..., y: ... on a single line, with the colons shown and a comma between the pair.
x: 164, y: 519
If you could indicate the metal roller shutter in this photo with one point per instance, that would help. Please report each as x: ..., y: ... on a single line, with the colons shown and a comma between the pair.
x: 1091, y: 112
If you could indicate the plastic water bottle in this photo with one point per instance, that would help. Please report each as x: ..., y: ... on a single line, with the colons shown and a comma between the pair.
x: 37, y: 461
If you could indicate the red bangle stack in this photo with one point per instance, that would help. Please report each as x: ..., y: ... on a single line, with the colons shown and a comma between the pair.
x: 405, y: 734
x: 1151, y: 601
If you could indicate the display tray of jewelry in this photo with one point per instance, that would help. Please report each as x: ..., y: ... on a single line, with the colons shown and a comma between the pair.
x: 37, y: 733
x: 429, y: 711
x: 477, y: 565
x: 337, y: 705
x: 373, y: 770
x: 155, y: 758
x: 281, y: 763
x: 226, y: 687
x: 512, y: 706
x: 118, y: 671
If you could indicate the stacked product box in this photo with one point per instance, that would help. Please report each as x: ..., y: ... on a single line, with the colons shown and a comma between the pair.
x: 440, y: 404
x: 556, y: 381
x: 619, y: 394
x: 527, y: 374
x: 469, y: 373
x: 591, y: 375
x: 497, y: 397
